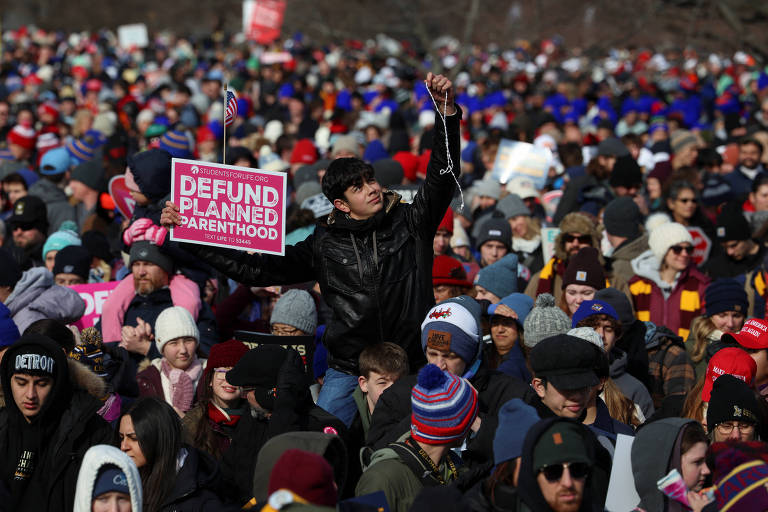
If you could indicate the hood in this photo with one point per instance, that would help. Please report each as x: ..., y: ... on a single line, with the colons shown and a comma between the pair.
x: 60, y: 395
x: 57, y: 303
x: 618, y: 362
x: 47, y: 191
x: 632, y: 249
x: 646, y: 265
x: 652, y: 458
x: 29, y: 286
x: 330, y: 446
x: 528, y: 488
x: 84, y: 379
x: 96, y: 457
x: 152, y: 172
x: 576, y: 223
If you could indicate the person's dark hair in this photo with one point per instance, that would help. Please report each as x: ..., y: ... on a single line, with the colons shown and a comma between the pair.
x: 385, y: 358
x: 751, y: 140
x: 759, y: 181
x: 692, y: 435
x: 55, y: 330
x: 299, y: 218
x: 675, y: 187
x: 709, y: 157
x: 632, y: 139
x: 158, y: 431
x: 15, y: 177
x: 570, y: 154
x: 504, y: 473
x: 594, y: 321
x: 344, y: 173
x: 205, y: 438
x: 596, y: 169
x: 284, y: 143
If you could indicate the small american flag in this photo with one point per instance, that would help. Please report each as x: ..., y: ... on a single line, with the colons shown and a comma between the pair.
x: 231, y: 113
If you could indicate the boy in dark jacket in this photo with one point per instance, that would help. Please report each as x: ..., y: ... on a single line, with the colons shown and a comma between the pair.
x: 372, y: 259
x: 46, y: 426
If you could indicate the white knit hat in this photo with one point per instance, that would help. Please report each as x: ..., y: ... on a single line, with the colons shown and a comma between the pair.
x: 588, y: 334
x: 172, y: 323
x: 665, y: 236
x: 459, y: 238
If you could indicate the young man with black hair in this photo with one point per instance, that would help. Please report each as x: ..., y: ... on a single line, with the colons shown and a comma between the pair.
x: 372, y: 258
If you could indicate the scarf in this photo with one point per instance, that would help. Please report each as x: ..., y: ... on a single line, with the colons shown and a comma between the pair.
x: 182, y: 383
x: 228, y: 417
x: 344, y: 221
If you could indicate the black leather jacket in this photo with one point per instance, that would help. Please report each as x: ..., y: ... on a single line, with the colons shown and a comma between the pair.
x: 377, y: 281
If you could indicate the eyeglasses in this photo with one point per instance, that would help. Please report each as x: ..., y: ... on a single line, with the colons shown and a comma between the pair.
x: 583, y: 239
x: 285, y: 331
x: 554, y: 473
x: 727, y: 428
x: 221, y: 372
x: 687, y: 200
x: 677, y: 249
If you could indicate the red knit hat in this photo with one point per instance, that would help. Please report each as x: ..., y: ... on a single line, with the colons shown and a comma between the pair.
x: 306, y: 474
x: 225, y: 355
x: 304, y: 152
x: 22, y: 136
x: 447, y: 222
x: 447, y: 270
x: 410, y: 163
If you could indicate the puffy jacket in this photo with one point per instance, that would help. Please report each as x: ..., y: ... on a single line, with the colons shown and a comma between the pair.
x: 36, y: 297
x: 377, y: 280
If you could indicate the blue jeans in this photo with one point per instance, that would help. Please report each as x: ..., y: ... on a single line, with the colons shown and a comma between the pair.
x: 336, y: 395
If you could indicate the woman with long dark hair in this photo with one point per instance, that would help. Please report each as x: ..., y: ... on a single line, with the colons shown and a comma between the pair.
x: 174, y: 476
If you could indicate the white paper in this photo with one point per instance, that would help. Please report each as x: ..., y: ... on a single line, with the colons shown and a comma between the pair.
x: 133, y: 35
x: 622, y: 495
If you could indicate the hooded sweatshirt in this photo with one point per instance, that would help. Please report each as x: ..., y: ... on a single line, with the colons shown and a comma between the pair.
x: 97, y: 457
x: 41, y: 457
x: 35, y: 297
x: 597, y: 484
x: 655, y: 452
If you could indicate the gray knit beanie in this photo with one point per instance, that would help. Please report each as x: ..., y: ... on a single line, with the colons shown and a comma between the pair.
x: 512, y: 206
x: 544, y: 320
x: 499, y: 278
x: 297, y: 309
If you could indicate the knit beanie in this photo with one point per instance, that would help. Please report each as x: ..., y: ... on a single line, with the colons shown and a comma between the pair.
x: 9, y: 269
x: 593, y: 307
x: 563, y: 441
x: 9, y: 333
x: 544, y: 320
x: 73, y: 259
x: 520, y: 303
x: 443, y: 407
x: 174, y: 322
x: 65, y: 236
x: 449, y: 271
x: 499, y: 278
x: 453, y: 325
x: 515, y: 419
x: 725, y: 294
x: 388, y: 172
x: 297, y: 309
x: 487, y: 188
x: 512, y: 206
x: 176, y: 143
x: 495, y: 228
x: 619, y: 302
x: 584, y: 268
x: 304, y: 152
x: 145, y: 250
x: 23, y: 136
x: 732, y: 226
x: 626, y: 173
x: 731, y: 400
x: 622, y: 218
x: 744, y: 487
x: 728, y: 361
x: 588, y: 334
x: 447, y: 222
x: 305, y: 474
x: 225, y: 355
x: 91, y: 174
x: 460, y: 237
x: 665, y: 236
x: 681, y: 139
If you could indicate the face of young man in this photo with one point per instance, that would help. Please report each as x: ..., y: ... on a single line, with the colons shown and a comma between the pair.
x: 30, y: 393
x: 492, y: 251
x: 566, y: 403
x: 446, y: 360
x: 442, y: 242
x: 362, y: 202
x: 374, y: 386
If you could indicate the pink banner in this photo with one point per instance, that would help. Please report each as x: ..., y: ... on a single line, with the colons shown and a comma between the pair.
x: 229, y: 206
x: 94, y: 295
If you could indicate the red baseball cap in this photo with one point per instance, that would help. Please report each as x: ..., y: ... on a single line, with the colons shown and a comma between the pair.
x: 732, y: 361
x: 754, y: 334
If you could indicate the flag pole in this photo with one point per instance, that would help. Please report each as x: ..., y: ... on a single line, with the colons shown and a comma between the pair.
x: 224, y: 121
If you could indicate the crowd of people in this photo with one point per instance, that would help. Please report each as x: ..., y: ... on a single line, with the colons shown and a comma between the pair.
x: 437, y: 334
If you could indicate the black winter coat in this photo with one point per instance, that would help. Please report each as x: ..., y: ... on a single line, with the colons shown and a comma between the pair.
x: 392, y: 415
x: 196, y: 485
x: 80, y: 428
x: 376, y: 280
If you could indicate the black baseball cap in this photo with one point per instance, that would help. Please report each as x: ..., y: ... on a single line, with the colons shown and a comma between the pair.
x: 566, y: 361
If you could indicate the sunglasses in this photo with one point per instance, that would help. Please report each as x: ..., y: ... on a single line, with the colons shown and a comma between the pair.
x: 677, y: 249
x: 583, y: 239
x: 24, y: 226
x: 688, y: 200
x: 554, y: 473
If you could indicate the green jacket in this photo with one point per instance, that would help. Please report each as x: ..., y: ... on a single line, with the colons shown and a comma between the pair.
x: 389, y: 473
x: 362, y: 410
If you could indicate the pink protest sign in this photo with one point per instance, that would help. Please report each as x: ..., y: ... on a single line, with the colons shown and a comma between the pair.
x: 229, y: 206
x: 94, y: 295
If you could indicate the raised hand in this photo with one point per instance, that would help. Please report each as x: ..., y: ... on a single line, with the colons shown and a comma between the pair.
x: 438, y: 86
x: 170, y: 216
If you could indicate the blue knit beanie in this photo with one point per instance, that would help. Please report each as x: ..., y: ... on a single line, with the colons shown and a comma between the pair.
x: 725, y: 295
x: 454, y: 325
x: 499, y: 278
x: 520, y: 303
x: 176, y: 143
x: 65, y: 236
x: 593, y: 307
x: 9, y: 333
x: 515, y: 419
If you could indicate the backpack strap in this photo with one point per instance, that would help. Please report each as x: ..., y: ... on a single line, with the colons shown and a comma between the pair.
x: 415, y: 464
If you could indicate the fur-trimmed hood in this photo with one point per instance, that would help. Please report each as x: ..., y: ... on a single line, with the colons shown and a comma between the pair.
x: 81, y: 378
x: 576, y: 222
x: 95, y: 458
